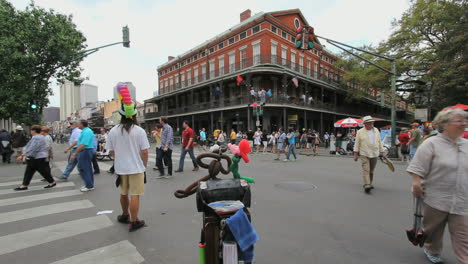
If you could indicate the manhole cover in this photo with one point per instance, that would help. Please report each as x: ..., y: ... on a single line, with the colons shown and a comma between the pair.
x: 296, y: 186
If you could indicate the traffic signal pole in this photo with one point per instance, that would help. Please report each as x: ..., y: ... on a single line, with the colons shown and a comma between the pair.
x: 393, y: 153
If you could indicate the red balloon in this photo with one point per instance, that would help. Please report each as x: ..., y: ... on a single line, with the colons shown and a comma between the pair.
x: 299, y: 30
x: 254, y: 104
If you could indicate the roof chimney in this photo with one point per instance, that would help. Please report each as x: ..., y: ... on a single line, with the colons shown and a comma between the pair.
x: 245, y: 15
x: 169, y: 58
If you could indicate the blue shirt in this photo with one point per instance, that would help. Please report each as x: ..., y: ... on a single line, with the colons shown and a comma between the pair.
x: 167, y: 137
x: 86, y: 138
x: 292, y: 140
x: 202, y: 135
x: 75, y: 135
x: 281, y: 138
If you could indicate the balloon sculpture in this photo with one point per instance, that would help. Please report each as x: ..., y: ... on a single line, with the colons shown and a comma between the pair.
x: 239, y: 152
x: 128, y: 108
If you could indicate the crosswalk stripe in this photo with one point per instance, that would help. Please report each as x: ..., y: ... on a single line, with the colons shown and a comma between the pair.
x: 38, y: 188
x: 122, y: 252
x: 12, y: 183
x: 34, y: 237
x: 38, y: 197
x: 44, y: 210
x: 62, y: 165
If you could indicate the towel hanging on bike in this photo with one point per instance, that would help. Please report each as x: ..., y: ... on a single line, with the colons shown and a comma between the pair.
x: 244, y: 233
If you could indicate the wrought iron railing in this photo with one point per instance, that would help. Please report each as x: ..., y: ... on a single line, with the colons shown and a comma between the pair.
x: 331, y: 78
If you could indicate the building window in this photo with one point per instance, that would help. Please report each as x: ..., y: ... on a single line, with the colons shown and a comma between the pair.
x: 274, y: 48
x: 211, y: 49
x: 293, y: 39
x: 284, y: 54
x: 221, y: 45
x: 293, y: 60
x: 296, y: 23
x: 315, y: 69
x: 243, y: 35
x: 284, y: 35
x: 195, y: 75
x: 256, y: 53
x: 203, y: 69
x: 308, y: 66
x: 182, y: 63
x: 203, y: 54
x: 231, y: 41
x: 243, y: 58
x: 256, y: 29
x: 182, y: 79
x: 221, y: 65
x: 301, y: 64
x: 232, y: 62
x: 195, y: 57
x: 188, y: 60
x: 212, y: 69
x: 273, y: 29
x: 189, y: 77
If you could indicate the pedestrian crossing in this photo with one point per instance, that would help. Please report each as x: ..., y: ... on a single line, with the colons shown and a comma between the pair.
x: 33, y: 220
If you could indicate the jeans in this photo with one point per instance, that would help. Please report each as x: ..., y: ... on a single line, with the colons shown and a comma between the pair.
x: 412, y: 151
x: 291, y: 150
x: 95, y: 163
x: 182, y: 158
x: 159, y: 160
x: 71, y: 165
x: 167, y: 157
x: 85, y: 158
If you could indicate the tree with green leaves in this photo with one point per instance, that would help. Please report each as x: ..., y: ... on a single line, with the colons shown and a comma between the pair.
x: 36, y: 45
x: 429, y: 43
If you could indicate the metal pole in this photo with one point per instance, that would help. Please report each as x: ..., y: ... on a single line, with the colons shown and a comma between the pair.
x: 393, y: 152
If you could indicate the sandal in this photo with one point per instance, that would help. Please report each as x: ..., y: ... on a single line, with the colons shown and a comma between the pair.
x: 50, y: 185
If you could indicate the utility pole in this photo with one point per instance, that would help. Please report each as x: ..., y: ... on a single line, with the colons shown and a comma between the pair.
x: 393, y: 153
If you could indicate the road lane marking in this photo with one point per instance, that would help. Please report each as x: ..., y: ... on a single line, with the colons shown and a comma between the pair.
x: 38, y: 197
x: 39, y: 188
x: 122, y: 252
x: 44, y: 210
x: 35, y: 237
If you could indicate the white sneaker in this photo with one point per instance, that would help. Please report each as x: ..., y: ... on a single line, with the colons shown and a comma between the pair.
x: 84, y: 189
x: 285, y: 160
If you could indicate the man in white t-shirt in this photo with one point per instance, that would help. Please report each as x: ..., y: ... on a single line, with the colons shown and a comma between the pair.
x: 129, y: 145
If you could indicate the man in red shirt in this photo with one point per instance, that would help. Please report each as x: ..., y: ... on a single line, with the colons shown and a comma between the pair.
x: 187, y: 146
x: 404, y: 138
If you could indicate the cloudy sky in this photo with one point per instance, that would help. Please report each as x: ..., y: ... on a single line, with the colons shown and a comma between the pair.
x: 160, y: 28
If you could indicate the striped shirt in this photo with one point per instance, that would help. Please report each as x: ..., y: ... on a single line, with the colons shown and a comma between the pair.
x: 37, y: 148
x: 167, y: 137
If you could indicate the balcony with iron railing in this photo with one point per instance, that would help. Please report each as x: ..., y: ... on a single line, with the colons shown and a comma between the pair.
x: 259, y: 60
x: 300, y: 102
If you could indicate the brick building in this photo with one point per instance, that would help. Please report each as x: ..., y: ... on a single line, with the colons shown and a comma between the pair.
x: 201, y: 84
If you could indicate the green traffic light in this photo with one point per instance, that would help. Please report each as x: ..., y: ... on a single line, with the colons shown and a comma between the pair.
x: 33, y: 106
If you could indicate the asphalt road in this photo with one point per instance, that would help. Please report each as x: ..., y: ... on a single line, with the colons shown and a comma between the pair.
x: 309, y: 211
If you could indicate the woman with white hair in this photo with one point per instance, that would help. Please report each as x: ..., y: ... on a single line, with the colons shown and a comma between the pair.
x: 440, y: 177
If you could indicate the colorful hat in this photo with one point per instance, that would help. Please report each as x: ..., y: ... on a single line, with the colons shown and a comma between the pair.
x: 128, y: 108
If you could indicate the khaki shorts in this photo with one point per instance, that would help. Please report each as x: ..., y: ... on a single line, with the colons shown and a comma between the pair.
x: 133, y: 184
